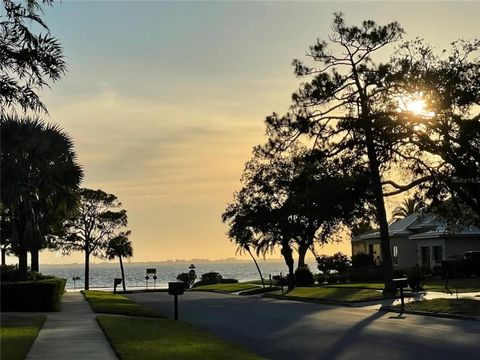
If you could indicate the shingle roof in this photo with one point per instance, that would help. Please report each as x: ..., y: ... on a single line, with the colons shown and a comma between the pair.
x: 419, y: 226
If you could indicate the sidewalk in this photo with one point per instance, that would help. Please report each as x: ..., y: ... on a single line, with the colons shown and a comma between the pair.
x: 71, y: 334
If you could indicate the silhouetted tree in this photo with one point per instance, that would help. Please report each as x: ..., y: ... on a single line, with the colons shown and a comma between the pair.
x: 293, y: 201
x: 99, y: 219
x: 40, y: 179
x: 341, y: 109
x: 28, y: 59
x: 120, y: 247
x: 442, y: 145
x: 240, y: 233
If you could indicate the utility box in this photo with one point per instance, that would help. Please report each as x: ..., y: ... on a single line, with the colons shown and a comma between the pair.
x: 176, y: 288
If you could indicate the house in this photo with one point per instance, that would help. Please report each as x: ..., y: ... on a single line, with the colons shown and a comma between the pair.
x: 420, y: 238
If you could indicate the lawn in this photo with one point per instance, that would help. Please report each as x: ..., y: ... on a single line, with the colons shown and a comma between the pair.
x: 374, y: 286
x: 151, y: 339
x: 18, y: 334
x: 228, y: 288
x: 447, y: 306
x: 108, y: 303
x: 335, y: 293
x: 463, y: 285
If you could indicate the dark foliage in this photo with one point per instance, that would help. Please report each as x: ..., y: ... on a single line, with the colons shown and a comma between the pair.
x: 304, y: 277
x: 41, y: 295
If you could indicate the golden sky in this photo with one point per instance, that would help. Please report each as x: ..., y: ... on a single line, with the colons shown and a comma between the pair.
x: 165, y: 100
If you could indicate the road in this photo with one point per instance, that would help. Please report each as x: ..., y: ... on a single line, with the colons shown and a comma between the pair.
x: 290, y: 330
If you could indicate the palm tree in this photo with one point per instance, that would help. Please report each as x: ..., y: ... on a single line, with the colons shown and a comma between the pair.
x: 409, y: 206
x: 120, y: 247
x: 40, y: 179
x: 241, y: 234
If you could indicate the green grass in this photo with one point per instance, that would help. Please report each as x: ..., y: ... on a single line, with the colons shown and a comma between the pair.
x: 335, y: 293
x: 108, y: 303
x: 229, y: 288
x: 374, y: 286
x: 463, y: 285
x: 18, y: 334
x: 151, y: 339
x: 447, y: 306
x: 260, y: 290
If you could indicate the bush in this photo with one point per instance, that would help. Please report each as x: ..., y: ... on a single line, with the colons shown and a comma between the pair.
x: 366, y: 274
x: 416, y: 278
x: 304, y: 277
x: 10, y: 273
x: 229, y: 281
x: 187, y: 279
x: 337, y: 278
x: 362, y: 260
x: 211, y: 278
x: 40, y: 295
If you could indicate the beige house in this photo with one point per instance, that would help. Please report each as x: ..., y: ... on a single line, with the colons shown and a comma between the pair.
x: 420, y: 238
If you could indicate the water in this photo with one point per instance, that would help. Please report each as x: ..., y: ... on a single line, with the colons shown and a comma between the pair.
x: 102, y: 275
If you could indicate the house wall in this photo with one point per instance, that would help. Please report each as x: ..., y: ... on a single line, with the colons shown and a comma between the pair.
x: 359, y: 247
x: 407, y: 251
x: 430, y: 243
x: 457, y: 246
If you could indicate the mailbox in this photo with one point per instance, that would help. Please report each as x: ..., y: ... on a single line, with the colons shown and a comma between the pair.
x: 400, y: 283
x: 176, y: 288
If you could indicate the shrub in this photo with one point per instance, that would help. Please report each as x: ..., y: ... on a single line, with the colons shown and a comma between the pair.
x: 212, y: 277
x: 187, y: 279
x: 366, y: 274
x: 10, y: 273
x: 229, y: 281
x: 338, y: 262
x: 40, y: 295
x: 337, y: 278
x: 304, y: 277
x: 362, y: 260
x: 416, y: 278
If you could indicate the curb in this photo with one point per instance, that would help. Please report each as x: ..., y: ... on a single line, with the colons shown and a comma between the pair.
x: 427, y: 313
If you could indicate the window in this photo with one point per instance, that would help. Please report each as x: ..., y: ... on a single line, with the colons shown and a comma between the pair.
x: 395, y: 255
x: 437, y: 254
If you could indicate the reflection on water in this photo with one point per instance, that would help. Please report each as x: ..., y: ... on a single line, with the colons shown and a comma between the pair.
x: 101, y: 276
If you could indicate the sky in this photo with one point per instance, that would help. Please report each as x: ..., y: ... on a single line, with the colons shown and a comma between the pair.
x: 165, y: 100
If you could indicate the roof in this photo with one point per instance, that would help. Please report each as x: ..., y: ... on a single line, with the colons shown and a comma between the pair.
x: 418, y: 226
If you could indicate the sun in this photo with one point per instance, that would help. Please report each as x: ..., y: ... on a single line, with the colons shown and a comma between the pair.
x: 415, y: 104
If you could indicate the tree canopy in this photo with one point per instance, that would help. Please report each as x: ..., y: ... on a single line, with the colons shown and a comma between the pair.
x: 99, y: 219
x: 28, y: 58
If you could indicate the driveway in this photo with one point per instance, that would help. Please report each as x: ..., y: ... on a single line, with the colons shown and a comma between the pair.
x: 279, y: 329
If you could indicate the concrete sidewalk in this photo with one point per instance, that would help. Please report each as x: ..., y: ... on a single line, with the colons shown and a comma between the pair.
x: 73, y: 333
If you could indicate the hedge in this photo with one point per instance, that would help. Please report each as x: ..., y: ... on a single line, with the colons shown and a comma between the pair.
x: 41, y: 295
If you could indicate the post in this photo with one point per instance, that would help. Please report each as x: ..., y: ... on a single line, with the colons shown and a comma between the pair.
x: 270, y: 278
x: 281, y: 282
x: 175, y: 299
x: 401, y: 296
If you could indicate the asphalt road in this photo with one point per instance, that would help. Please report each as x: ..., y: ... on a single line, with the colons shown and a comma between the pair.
x: 290, y: 330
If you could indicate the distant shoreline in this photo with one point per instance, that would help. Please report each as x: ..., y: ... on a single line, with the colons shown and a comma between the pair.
x: 173, y: 262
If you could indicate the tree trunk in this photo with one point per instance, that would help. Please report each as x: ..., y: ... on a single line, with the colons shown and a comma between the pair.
x: 22, y: 264
x: 287, y: 255
x: 381, y: 215
x: 123, y: 273
x: 4, y: 256
x: 87, y: 270
x: 256, y: 264
x: 34, y: 264
x: 302, y: 251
